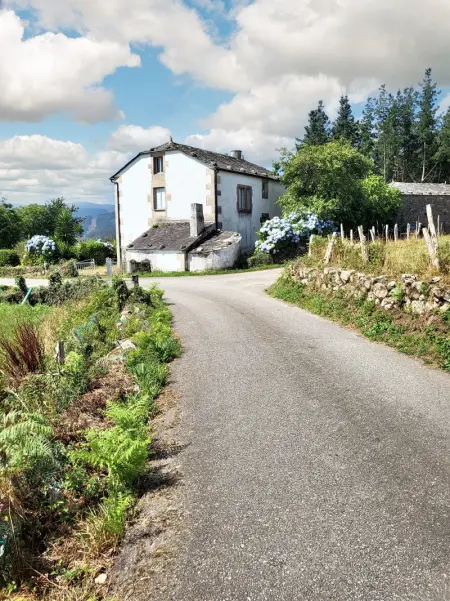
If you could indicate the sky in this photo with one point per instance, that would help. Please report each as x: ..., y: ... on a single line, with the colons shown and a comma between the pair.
x: 86, y: 84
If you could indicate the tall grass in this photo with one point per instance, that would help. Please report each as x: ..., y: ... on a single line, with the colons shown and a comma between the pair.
x: 23, y: 354
x: 394, y: 258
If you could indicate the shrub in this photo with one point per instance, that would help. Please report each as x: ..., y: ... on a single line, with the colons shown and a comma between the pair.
x: 23, y: 354
x: 104, y: 529
x: 259, y: 258
x: 9, y: 258
x: 95, y: 249
x: 40, y: 250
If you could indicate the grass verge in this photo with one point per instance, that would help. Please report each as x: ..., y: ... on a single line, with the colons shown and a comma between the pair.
x: 178, y: 274
x: 425, y: 337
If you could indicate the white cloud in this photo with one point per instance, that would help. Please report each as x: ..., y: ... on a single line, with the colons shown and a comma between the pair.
x: 258, y: 147
x: 134, y: 138
x: 52, y: 73
x: 36, y: 168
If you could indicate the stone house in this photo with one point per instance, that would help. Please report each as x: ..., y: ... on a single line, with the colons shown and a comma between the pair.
x: 159, y: 186
x: 415, y: 198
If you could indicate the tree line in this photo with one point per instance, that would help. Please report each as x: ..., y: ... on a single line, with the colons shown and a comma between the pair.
x: 55, y: 219
x: 405, y: 134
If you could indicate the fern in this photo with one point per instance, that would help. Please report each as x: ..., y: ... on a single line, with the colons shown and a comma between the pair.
x: 25, y: 443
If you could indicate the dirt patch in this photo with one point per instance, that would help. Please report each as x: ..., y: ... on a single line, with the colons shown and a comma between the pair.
x: 140, y: 571
x: 87, y: 411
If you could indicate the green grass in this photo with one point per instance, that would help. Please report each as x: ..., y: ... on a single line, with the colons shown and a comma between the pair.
x: 11, y: 315
x: 413, y: 335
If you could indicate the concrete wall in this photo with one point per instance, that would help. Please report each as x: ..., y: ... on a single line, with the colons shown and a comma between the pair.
x: 164, y: 261
x: 246, y: 225
x: 188, y: 181
x: 134, y: 185
x: 414, y: 208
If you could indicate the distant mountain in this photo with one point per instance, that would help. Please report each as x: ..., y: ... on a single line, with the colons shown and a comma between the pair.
x: 99, y: 219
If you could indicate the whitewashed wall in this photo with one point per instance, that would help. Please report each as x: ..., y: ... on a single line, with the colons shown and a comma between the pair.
x: 164, y: 261
x: 133, y: 202
x: 246, y: 225
x: 188, y: 181
x: 223, y: 258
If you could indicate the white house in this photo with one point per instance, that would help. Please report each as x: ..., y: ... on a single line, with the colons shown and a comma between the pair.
x: 159, y: 186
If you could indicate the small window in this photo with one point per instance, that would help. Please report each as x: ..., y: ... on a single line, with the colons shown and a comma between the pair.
x: 265, y: 188
x: 244, y: 199
x: 159, y: 198
x: 158, y: 164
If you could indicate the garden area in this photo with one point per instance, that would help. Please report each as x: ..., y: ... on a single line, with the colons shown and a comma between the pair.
x: 76, y: 428
x: 37, y: 240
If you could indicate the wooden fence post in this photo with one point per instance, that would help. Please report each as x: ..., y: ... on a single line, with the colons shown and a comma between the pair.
x: 342, y: 231
x: 362, y: 240
x: 387, y: 233
x: 311, y: 238
x: 419, y: 226
x: 329, y: 252
x: 372, y: 234
x: 351, y: 236
x: 396, y: 232
x: 432, y: 251
x: 432, y: 229
x: 408, y: 231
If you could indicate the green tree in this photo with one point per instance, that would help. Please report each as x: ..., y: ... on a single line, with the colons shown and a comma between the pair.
x: 325, y: 180
x: 10, y: 225
x: 345, y: 127
x: 427, y: 125
x: 407, y: 134
x: 317, y: 131
x: 442, y: 155
x: 366, y: 141
x: 67, y: 228
x: 335, y: 182
x: 54, y: 207
x: 34, y: 219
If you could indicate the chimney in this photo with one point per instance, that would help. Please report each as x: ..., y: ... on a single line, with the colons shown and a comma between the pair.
x: 197, y: 222
x: 237, y: 154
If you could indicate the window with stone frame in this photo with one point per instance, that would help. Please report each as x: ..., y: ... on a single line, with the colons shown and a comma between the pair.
x: 159, y: 199
x: 244, y: 199
x: 158, y: 164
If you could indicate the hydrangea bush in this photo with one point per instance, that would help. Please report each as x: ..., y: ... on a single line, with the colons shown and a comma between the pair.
x: 40, y: 250
x: 282, y: 235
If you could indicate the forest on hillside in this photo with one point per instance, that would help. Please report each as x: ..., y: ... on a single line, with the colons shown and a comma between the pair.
x: 406, y: 134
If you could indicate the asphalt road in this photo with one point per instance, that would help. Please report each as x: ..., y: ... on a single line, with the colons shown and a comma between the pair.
x: 317, y: 464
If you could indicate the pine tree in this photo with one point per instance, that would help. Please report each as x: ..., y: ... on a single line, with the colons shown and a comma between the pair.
x: 442, y: 156
x: 427, y: 125
x: 318, y: 128
x: 407, y: 133
x: 386, y: 140
x: 366, y: 143
x: 345, y: 127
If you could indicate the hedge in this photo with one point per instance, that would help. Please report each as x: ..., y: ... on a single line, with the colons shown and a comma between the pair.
x: 9, y: 258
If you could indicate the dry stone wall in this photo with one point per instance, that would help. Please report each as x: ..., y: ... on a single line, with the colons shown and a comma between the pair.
x: 409, y: 293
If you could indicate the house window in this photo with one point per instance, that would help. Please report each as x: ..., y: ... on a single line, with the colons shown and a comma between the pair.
x: 265, y: 188
x: 244, y: 199
x: 159, y: 199
x: 158, y: 164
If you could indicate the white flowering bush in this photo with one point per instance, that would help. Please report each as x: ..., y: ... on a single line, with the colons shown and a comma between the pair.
x: 39, y: 250
x: 281, y: 235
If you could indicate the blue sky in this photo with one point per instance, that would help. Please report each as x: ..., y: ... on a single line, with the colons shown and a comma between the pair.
x: 88, y: 83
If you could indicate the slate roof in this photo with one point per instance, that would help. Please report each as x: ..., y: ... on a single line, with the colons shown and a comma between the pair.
x: 223, y: 162
x: 217, y: 241
x: 172, y: 236
x: 413, y: 189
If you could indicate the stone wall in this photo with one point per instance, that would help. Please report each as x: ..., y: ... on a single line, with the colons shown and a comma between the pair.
x: 409, y: 293
x: 413, y: 208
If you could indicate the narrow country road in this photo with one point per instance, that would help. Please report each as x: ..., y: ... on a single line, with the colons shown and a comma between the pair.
x: 318, y: 463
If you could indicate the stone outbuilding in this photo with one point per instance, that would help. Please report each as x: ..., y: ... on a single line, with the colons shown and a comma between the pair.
x: 415, y: 198
x: 183, y: 246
